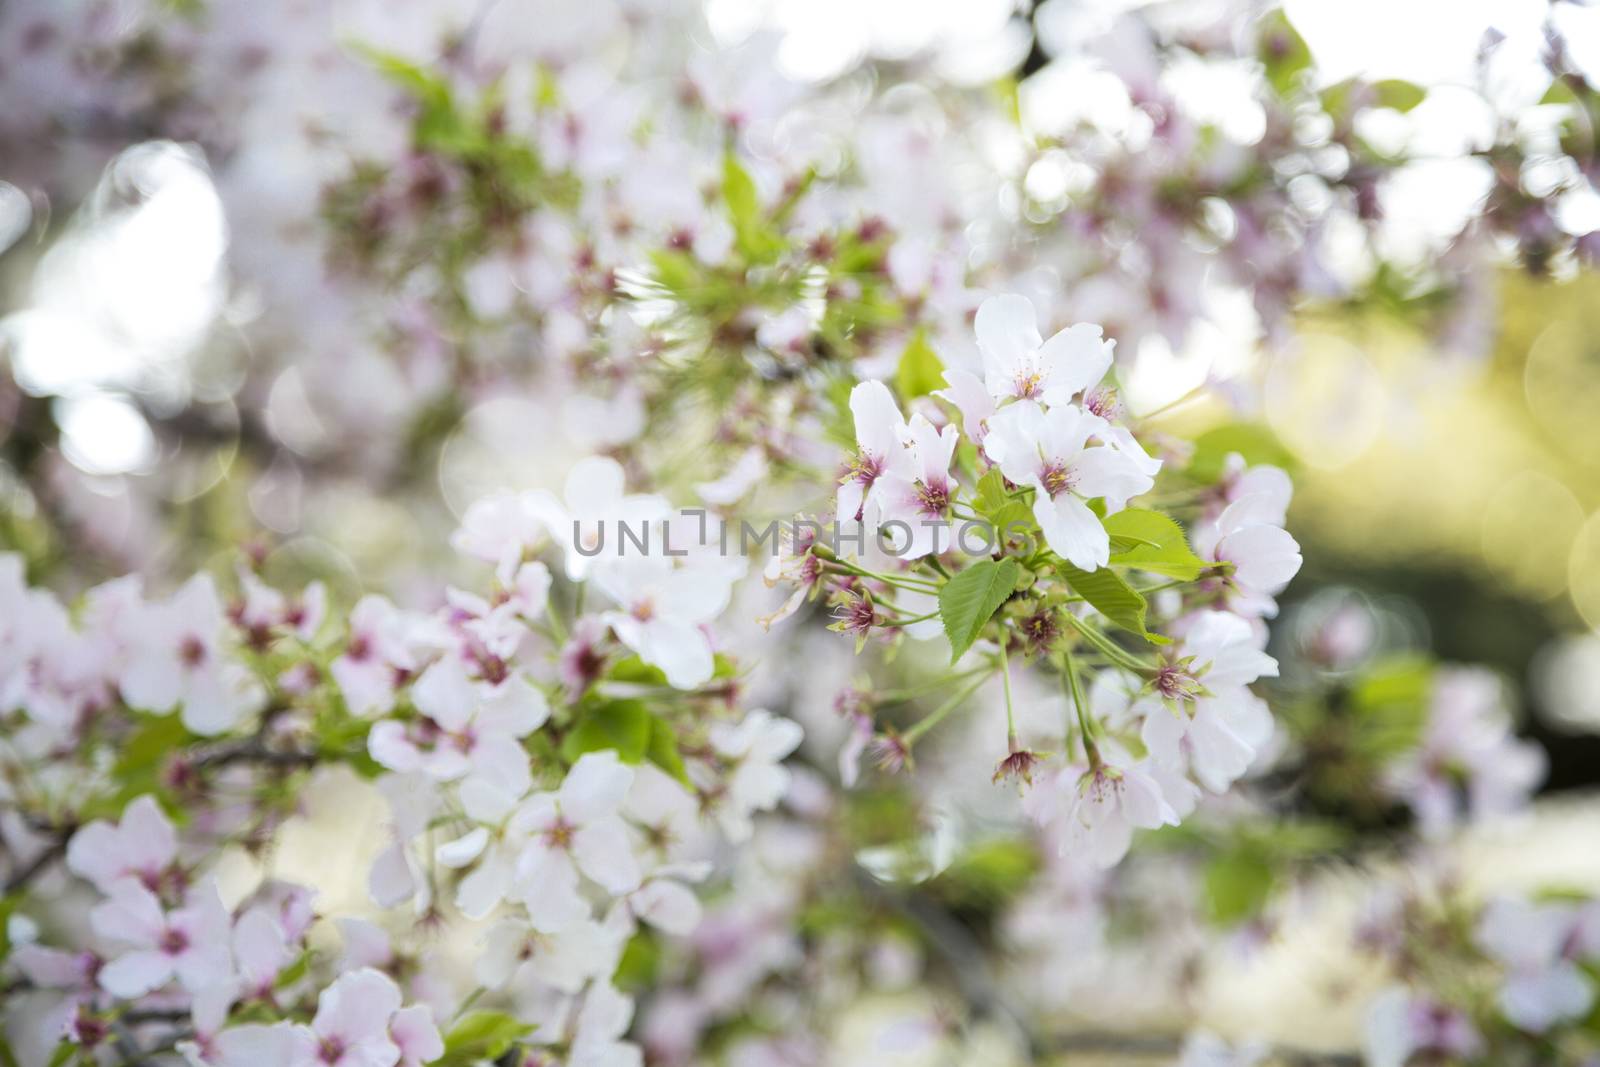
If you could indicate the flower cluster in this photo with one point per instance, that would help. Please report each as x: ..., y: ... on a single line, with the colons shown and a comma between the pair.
x: 1045, y: 475
x: 565, y: 778
x: 1493, y: 979
x: 356, y: 280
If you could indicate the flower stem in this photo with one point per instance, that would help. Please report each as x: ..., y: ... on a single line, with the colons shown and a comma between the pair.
x: 916, y: 585
x: 937, y: 715
x: 1005, y: 677
x: 1120, y: 656
x: 1081, y: 705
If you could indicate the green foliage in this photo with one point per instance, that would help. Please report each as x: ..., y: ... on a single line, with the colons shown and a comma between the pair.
x: 920, y: 371
x: 1398, y: 94
x: 990, y: 873
x: 968, y: 600
x: 1253, y: 441
x: 141, y: 760
x: 623, y: 725
x: 662, y: 750
x: 641, y: 959
x: 8, y: 905
x: 753, y: 234
x: 1389, y: 706
x: 1150, y: 541
x: 1002, y: 510
x: 636, y: 671
x: 1111, y: 595
x: 1284, y: 53
x: 481, y: 1035
x: 1238, y: 884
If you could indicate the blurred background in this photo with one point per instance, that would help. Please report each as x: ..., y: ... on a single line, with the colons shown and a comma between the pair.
x: 176, y: 312
x: 272, y: 277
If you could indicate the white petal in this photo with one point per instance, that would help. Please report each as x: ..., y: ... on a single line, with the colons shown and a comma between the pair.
x: 1008, y: 333
x: 482, y: 891
x: 445, y: 694
x: 390, y: 881
x: 136, y: 973
x: 667, y: 905
x: 357, y: 1006
x: 1073, y: 531
x: 602, y: 851
x: 463, y: 850
x: 679, y: 649
x: 595, y: 787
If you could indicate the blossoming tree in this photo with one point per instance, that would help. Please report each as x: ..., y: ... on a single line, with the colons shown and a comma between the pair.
x: 887, y: 629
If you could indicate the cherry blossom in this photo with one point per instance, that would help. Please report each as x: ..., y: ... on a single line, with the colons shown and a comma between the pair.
x: 662, y: 611
x: 467, y: 727
x: 595, y: 500
x: 143, y: 845
x: 881, y: 438
x: 576, y: 829
x: 190, y: 943
x: 1020, y: 364
x: 755, y: 750
x: 1049, y: 451
x: 180, y: 658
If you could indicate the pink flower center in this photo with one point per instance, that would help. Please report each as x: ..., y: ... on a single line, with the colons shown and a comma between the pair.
x: 192, y: 651
x: 933, y: 499
x: 559, y: 834
x: 1057, y: 478
x: 174, y: 941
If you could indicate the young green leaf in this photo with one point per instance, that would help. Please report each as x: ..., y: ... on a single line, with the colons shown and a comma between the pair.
x: 1238, y: 884
x: 752, y: 234
x: 1002, y: 511
x: 920, y: 372
x: 1253, y: 441
x: 1398, y: 94
x: 623, y: 725
x: 969, y: 599
x: 1110, y: 594
x: 482, y: 1035
x: 662, y: 750
x: 1150, y: 541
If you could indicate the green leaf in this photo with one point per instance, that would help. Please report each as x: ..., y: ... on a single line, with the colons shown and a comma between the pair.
x: 1560, y: 92
x: 438, y: 127
x: 676, y: 271
x: 1389, y: 705
x: 1398, y: 94
x: 482, y: 1035
x: 636, y: 970
x: 662, y: 750
x: 623, y: 725
x: 1150, y: 541
x: 64, y: 1053
x: 1284, y: 53
x: 8, y: 905
x: 636, y: 671
x: 920, y: 372
x: 968, y: 600
x: 990, y: 873
x: 1002, y: 511
x: 295, y: 971
x: 1111, y: 595
x: 1253, y: 441
x: 1237, y: 886
x: 752, y: 234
